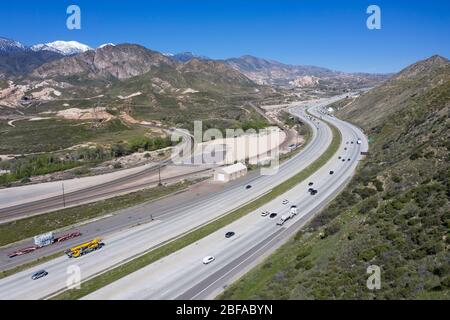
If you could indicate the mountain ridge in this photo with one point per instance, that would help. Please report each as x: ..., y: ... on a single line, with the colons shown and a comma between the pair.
x: 17, y: 59
x: 419, y: 77
x: 262, y: 71
x: 120, y: 61
x: 272, y: 72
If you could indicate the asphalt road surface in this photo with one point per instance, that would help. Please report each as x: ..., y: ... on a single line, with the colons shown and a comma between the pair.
x: 204, y: 207
x: 182, y: 275
x: 128, y: 243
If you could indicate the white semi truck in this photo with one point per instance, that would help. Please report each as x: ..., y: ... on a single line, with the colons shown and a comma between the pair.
x: 292, y: 213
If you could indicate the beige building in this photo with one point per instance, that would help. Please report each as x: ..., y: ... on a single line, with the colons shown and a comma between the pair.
x: 229, y: 173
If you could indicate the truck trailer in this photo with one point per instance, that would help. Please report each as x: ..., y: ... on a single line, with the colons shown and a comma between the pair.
x: 84, y: 248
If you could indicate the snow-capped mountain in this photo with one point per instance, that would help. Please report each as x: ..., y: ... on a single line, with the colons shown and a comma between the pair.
x: 66, y: 48
x: 8, y: 45
x: 106, y: 44
x: 44, y: 47
x: 18, y: 60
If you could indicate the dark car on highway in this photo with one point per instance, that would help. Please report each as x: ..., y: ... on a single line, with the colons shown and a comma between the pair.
x: 310, y: 184
x: 248, y: 186
x: 331, y: 172
x: 273, y: 215
x: 39, y: 274
x: 229, y: 234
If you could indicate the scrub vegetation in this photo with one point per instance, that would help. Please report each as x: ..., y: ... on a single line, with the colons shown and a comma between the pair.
x: 21, y: 168
x: 394, y: 214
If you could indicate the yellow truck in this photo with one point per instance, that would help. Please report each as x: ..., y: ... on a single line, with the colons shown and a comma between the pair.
x: 84, y: 248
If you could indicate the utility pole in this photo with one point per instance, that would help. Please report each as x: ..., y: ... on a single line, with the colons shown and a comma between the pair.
x: 159, y: 174
x: 63, y: 195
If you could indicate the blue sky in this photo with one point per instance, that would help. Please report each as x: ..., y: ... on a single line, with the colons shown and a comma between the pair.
x: 330, y: 33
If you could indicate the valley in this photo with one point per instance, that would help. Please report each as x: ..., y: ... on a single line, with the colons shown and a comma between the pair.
x: 322, y: 175
x: 91, y: 107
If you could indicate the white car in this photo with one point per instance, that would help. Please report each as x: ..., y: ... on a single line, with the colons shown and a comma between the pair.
x: 285, y: 201
x: 283, y: 220
x: 265, y: 213
x: 208, y: 259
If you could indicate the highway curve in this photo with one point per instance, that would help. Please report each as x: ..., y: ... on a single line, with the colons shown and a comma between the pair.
x: 182, y: 275
x: 128, y: 243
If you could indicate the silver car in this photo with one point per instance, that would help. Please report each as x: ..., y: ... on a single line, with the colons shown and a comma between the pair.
x: 39, y: 274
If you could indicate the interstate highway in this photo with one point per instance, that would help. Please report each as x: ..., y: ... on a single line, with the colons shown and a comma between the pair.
x: 130, y: 242
x: 182, y: 274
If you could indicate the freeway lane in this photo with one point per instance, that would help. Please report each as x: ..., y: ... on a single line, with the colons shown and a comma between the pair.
x: 134, y: 182
x: 217, y: 282
x: 182, y: 274
x: 35, y: 199
x: 131, y: 242
x: 111, y: 223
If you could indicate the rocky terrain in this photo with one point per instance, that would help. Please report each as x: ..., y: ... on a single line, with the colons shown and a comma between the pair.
x: 119, y: 62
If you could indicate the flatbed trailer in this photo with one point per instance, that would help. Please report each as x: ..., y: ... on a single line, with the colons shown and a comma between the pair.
x: 84, y: 248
